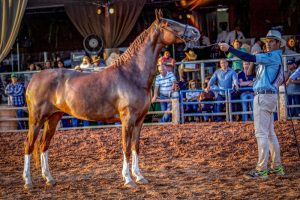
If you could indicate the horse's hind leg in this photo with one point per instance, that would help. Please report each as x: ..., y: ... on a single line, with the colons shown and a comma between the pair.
x: 135, y: 142
x: 34, y: 129
x: 49, y: 130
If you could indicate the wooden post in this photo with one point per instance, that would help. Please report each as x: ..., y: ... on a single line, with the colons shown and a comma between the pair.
x: 282, y: 104
x: 175, y: 110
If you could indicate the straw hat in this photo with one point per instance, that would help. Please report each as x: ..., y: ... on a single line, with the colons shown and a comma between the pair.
x: 95, y: 59
x: 273, y: 34
x: 191, y: 55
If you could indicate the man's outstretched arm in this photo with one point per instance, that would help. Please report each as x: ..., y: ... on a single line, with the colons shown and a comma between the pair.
x: 240, y: 54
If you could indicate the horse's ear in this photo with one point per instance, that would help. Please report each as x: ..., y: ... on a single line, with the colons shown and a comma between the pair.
x: 158, y: 14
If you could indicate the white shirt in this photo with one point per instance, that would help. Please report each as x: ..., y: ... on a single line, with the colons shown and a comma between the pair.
x: 231, y: 36
x: 255, y: 48
x: 222, y: 36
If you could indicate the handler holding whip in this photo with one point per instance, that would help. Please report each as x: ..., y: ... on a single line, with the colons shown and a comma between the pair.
x: 268, y: 78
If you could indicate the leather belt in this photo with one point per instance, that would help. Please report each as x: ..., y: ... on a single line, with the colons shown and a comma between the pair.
x: 264, y: 92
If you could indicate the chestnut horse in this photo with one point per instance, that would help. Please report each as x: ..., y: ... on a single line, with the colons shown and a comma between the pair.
x: 119, y: 92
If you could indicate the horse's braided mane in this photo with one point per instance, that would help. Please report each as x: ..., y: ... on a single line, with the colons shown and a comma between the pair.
x: 126, y: 56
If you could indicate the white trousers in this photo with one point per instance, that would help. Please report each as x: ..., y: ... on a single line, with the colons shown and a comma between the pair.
x: 264, y: 105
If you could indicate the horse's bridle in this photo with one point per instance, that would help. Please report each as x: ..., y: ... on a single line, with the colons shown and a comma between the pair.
x: 182, y: 37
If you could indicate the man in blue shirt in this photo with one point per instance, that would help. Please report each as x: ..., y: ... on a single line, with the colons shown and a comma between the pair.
x: 265, y: 102
x: 225, y: 78
x: 15, y: 92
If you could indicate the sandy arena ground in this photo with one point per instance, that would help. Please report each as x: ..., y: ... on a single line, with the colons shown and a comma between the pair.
x: 192, y: 161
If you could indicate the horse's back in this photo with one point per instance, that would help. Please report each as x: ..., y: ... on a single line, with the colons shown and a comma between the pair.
x: 44, y: 86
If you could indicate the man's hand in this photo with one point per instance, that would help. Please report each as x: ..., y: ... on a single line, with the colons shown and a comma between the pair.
x: 223, y: 46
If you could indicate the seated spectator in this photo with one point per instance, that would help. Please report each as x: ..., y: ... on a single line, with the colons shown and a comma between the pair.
x: 206, y: 108
x: 85, y: 65
x: 60, y: 64
x: 236, y: 65
x: 15, y: 92
x: 246, y: 81
x: 188, y: 68
x: 167, y: 61
x: 165, y: 84
x: 192, y: 96
x: 226, y: 78
x: 47, y: 64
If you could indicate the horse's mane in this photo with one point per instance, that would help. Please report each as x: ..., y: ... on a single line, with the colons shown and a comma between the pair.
x: 135, y: 45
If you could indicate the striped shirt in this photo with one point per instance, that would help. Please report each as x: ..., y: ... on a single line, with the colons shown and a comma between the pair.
x: 15, y: 94
x: 165, y: 83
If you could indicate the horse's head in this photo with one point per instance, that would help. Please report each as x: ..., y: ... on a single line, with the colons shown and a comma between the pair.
x: 174, y: 32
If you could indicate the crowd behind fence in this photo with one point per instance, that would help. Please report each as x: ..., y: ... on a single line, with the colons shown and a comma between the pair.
x: 178, y: 104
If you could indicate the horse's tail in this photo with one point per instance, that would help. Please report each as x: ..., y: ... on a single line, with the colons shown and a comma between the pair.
x: 36, y: 153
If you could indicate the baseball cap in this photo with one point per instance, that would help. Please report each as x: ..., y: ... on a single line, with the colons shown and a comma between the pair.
x: 274, y: 34
x: 290, y: 62
x: 13, y: 75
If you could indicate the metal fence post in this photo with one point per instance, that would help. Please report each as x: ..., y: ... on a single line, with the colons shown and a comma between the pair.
x: 228, y: 106
x: 202, y: 74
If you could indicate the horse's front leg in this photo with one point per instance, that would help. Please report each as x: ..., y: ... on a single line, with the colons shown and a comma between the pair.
x: 127, y: 129
x: 135, y: 145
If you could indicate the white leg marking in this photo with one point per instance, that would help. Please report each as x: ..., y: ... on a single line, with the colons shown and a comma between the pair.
x: 45, y: 167
x: 125, y: 170
x: 135, y: 166
x: 26, y: 172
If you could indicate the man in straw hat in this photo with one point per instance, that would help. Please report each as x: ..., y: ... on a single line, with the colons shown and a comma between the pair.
x: 189, y: 67
x: 265, y: 101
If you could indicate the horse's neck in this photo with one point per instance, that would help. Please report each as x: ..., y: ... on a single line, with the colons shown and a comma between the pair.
x: 146, y: 59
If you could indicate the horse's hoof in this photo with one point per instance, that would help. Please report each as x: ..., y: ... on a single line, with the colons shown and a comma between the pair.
x: 27, y: 186
x: 51, y: 183
x: 130, y: 184
x: 143, y: 181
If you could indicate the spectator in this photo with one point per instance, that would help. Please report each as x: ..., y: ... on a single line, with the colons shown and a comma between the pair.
x: 237, y: 65
x: 189, y: 56
x: 206, y: 108
x: 225, y: 78
x: 165, y: 83
x: 223, y: 34
x: 192, y: 96
x: 234, y: 34
x: 167, y: 61
x: 256, y: 48
x: 47, y: 65
x: 28, y: 75
x: 15, y: 92
x: 85, y: 64
x: 112, y: 57
x: 246, y: 81
x: 293, y: 85
x: 60, y: 64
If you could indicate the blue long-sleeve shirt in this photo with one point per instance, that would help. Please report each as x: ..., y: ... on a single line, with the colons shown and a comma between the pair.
x: 225, y: 79
x: 15, y: 94
x: 269, y: 64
